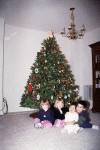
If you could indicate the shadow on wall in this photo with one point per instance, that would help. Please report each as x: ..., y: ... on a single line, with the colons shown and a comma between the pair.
x: 87, y: 108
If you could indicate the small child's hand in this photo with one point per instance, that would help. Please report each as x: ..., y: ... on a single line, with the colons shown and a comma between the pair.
x: 68, y: 123
x: 42, y: 122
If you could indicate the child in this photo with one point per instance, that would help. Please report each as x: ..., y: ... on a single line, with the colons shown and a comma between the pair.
x: 83, y: 117
x: 59, y: 112
x: 45, y: 117
x: 70, y: 118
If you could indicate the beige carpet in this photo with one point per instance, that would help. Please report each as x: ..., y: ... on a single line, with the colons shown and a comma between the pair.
x: 17, y: 132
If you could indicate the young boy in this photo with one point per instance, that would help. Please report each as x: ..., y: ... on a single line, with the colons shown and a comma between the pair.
x: 83, y: 117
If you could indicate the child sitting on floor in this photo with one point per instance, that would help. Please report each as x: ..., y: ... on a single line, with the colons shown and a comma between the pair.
x: 70, y: 118
x: 83, y: 117
x: 59, y: 112
x: 45, y: 117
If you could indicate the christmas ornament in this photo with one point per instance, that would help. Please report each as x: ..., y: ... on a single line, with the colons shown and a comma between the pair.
x: 43, y: 62
x: 36, y: 70
x: 45, y: 68
x: 34, y: 93
x: 56, y: 49
x: 52, y: 97
x: 68, y: 103
x: 33, y: 97
x: 33, y: 77
x: 76, y: 90
x: 65, y: 96
x: 68, y: 95
x: 50, y: 34
x: 75, y: 99
x: 38, y: 53
x: 62, y: 70
x: 59, y: 95
x: 26, y: 92
x: 37, y: 86
x: 59, y: 81
x: 30, y: 90
x: 53, y: 87
x: 38, y: 97
x: 30, y: 86
x: 70, y: 91
x: 44, y: 48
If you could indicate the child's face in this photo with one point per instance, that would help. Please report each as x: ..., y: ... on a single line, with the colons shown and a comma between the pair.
x: 72, y: 108
x: 45, y: 107
x: 80, y: 108
x: 60, y: 105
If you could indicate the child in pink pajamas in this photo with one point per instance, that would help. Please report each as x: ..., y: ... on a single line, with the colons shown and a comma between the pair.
x: 59, y: 111
x: 45, y: 117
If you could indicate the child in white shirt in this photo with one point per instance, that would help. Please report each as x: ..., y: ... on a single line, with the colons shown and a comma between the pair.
x: 71, y: 118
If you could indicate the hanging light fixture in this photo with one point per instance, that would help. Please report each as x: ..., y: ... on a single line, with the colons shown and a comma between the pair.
x: 72, y: 33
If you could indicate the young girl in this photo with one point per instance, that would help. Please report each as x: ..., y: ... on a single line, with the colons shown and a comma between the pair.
x: 45, y: 117
x: 59, y: 112
x: 71, y: 117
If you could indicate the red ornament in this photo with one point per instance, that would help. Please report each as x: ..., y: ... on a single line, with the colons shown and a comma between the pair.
x: 68, y: 103
x: 30, y: 90
x: 59, y: 95
x: 34, y: 93
x: 30, y: 86
x: 64, y: 64
x: 43, y: 62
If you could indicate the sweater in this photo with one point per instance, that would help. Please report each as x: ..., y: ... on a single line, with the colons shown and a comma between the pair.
x: 57, y: 114
x: 85, y: 122
x: 45, y: 115
x: 71, y: 116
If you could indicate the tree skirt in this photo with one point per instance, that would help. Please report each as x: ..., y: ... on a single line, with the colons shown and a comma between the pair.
x: 34, y: 115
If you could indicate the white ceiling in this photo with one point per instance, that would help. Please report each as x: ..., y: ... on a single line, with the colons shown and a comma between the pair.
x: 52, y: 15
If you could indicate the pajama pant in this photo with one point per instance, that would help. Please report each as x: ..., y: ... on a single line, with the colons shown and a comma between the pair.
x: 46, y: 124
x: 59, y: 123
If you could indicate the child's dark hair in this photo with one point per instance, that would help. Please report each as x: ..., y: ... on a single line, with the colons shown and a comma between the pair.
x: 73, y: 103
x: 82, y: 103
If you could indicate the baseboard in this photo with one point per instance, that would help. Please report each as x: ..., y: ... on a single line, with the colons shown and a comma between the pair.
x: 1, y: 113
x: 22, y: 112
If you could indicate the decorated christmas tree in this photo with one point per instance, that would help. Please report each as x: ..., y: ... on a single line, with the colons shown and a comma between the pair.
x: 50, y: 78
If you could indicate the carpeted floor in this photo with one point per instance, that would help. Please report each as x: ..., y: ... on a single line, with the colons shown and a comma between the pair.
x: 17, y: 132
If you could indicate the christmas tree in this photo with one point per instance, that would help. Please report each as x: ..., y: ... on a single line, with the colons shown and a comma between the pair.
x: 51, y: 77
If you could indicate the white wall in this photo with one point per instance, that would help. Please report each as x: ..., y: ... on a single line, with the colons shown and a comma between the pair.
x: 1, y: 62
x: 21, y: 47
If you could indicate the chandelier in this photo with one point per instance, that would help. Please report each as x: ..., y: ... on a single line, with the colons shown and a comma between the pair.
x: 72, y: 33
